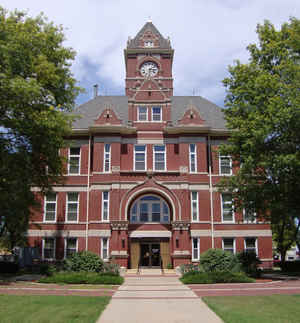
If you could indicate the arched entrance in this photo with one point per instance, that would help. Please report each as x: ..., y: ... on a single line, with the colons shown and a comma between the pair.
x: 149, y: 225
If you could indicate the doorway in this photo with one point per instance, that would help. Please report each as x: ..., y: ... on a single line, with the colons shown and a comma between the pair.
x: 150, y: 255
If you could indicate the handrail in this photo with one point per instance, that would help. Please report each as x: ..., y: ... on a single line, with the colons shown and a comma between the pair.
x: 138, y: 272
x: 161, y: 264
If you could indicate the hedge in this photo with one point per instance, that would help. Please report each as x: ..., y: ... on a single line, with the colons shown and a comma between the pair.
x: 215, y: 278
x: 83, y: 278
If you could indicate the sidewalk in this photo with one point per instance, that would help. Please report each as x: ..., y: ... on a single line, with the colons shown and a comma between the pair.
x: 159, y: 299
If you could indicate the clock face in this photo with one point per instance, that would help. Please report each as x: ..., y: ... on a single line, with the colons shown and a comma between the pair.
x: 149, y: 69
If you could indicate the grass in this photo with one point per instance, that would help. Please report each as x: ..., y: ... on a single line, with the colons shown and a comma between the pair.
x: 215, y: 277
x: 256, y: 309
x: 54, y: 309
x: 82, y: 278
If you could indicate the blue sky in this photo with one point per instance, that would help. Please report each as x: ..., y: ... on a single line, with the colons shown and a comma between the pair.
x: 207, y: 37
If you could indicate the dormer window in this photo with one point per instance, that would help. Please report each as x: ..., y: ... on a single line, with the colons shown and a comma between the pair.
x: 148, y: 43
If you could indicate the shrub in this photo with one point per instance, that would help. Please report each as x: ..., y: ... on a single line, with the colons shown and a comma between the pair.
x: 111, y: 268
x: 190, y: 268
x: 169, y: 266
x: 84, y: 261
x: 47, y: 269
x: 215, y: 278
x: 8, y: 267
x: 219, y: 260
x: 290, y: 266
x: 82, y: 278
x: 249, y: 262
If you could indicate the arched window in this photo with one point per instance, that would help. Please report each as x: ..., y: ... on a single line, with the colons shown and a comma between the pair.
x: 150, y: 208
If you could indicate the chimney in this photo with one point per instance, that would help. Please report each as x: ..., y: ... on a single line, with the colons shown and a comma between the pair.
x: 95, y: 90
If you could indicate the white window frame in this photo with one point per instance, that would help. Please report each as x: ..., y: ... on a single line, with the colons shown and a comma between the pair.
x: 148, y: 44
x: 222, y: 211
x: 149, y: 203
x: 198, y: 249
x: 67, y: 206
x: 245, y: 246
x: 107, y: 156
x: 197, y: 206
x: 234, y: 247
x: 65, y: 245
x: 45, y: 205
x: 245, y: 220
x: 79, y: 160
x: 102, y: 206
x: 152, y: 114
x: 195, y: 158
x: 139, y: 114
x: 134, y: 160
x: 165, y: 158
x: 105, y: 259
x: 220, y: 168
x: 43, y: 248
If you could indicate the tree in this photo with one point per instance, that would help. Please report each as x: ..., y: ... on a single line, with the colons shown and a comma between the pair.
x: 37, y: 88
x: 263, y: 114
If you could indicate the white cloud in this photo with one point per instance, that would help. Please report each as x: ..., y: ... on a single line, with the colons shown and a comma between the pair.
x: 206, y: 35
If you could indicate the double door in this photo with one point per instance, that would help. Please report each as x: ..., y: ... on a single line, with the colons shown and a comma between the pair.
x: 150, y: 255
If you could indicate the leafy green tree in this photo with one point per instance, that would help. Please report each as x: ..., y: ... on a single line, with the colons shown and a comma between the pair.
x: 263, y: 113
x: 37, y: 88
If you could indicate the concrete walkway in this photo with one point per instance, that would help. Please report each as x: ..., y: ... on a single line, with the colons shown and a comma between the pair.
x: 156, y: 299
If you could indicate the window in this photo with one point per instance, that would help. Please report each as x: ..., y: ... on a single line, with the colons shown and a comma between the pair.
x: 106, y: 166
x: 105, y: 206
x: 194, y: 206
x: 104, y: 248
x: 229, y: 244
x: 50, y: 208
x: 142, y: 114
x: 195, y: 249
x: 156, y: 113
x: 74, y: 161
x: 193, y: 158
x: 150, y: 208
x: 148, y: 43
x: 140, y: 157
x: 249, y: 216
x: 159, y: 158
x: 70, y: 247
x: 225, y: 164
x: 72, y: 207
x: 251, y: 245
x: 227, y: 211
x: 48, y: 248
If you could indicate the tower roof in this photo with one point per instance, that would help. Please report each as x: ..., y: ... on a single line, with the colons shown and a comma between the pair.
x: 149, y: 32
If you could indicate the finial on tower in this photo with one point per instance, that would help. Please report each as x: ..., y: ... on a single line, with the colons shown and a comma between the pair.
x: 149, y: 19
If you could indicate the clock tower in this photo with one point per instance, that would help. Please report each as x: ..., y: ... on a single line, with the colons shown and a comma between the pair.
x: 149, y: 81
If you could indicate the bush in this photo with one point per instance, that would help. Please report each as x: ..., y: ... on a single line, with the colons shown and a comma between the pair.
x: 47, y: 269
x: 169, y: 266
x: 83, y: 278
x: 290, y: 266
x: 215, y: 278
x: 190, y: 268
x: 84, y: 261
x: 219, y: 260
x: 111, y: 268
x: 249, y: 262
x: 8, y: 267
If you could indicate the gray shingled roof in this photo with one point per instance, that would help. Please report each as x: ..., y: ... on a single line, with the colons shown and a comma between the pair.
x: 89, y: 111
x: 210, y: 112
x: 163, y: 43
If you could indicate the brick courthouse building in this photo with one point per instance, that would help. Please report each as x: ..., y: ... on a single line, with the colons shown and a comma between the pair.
x: 142, y: 172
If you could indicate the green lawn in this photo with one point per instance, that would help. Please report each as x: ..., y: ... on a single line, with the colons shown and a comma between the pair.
x: 256, y: 309
x: 54, y: 309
